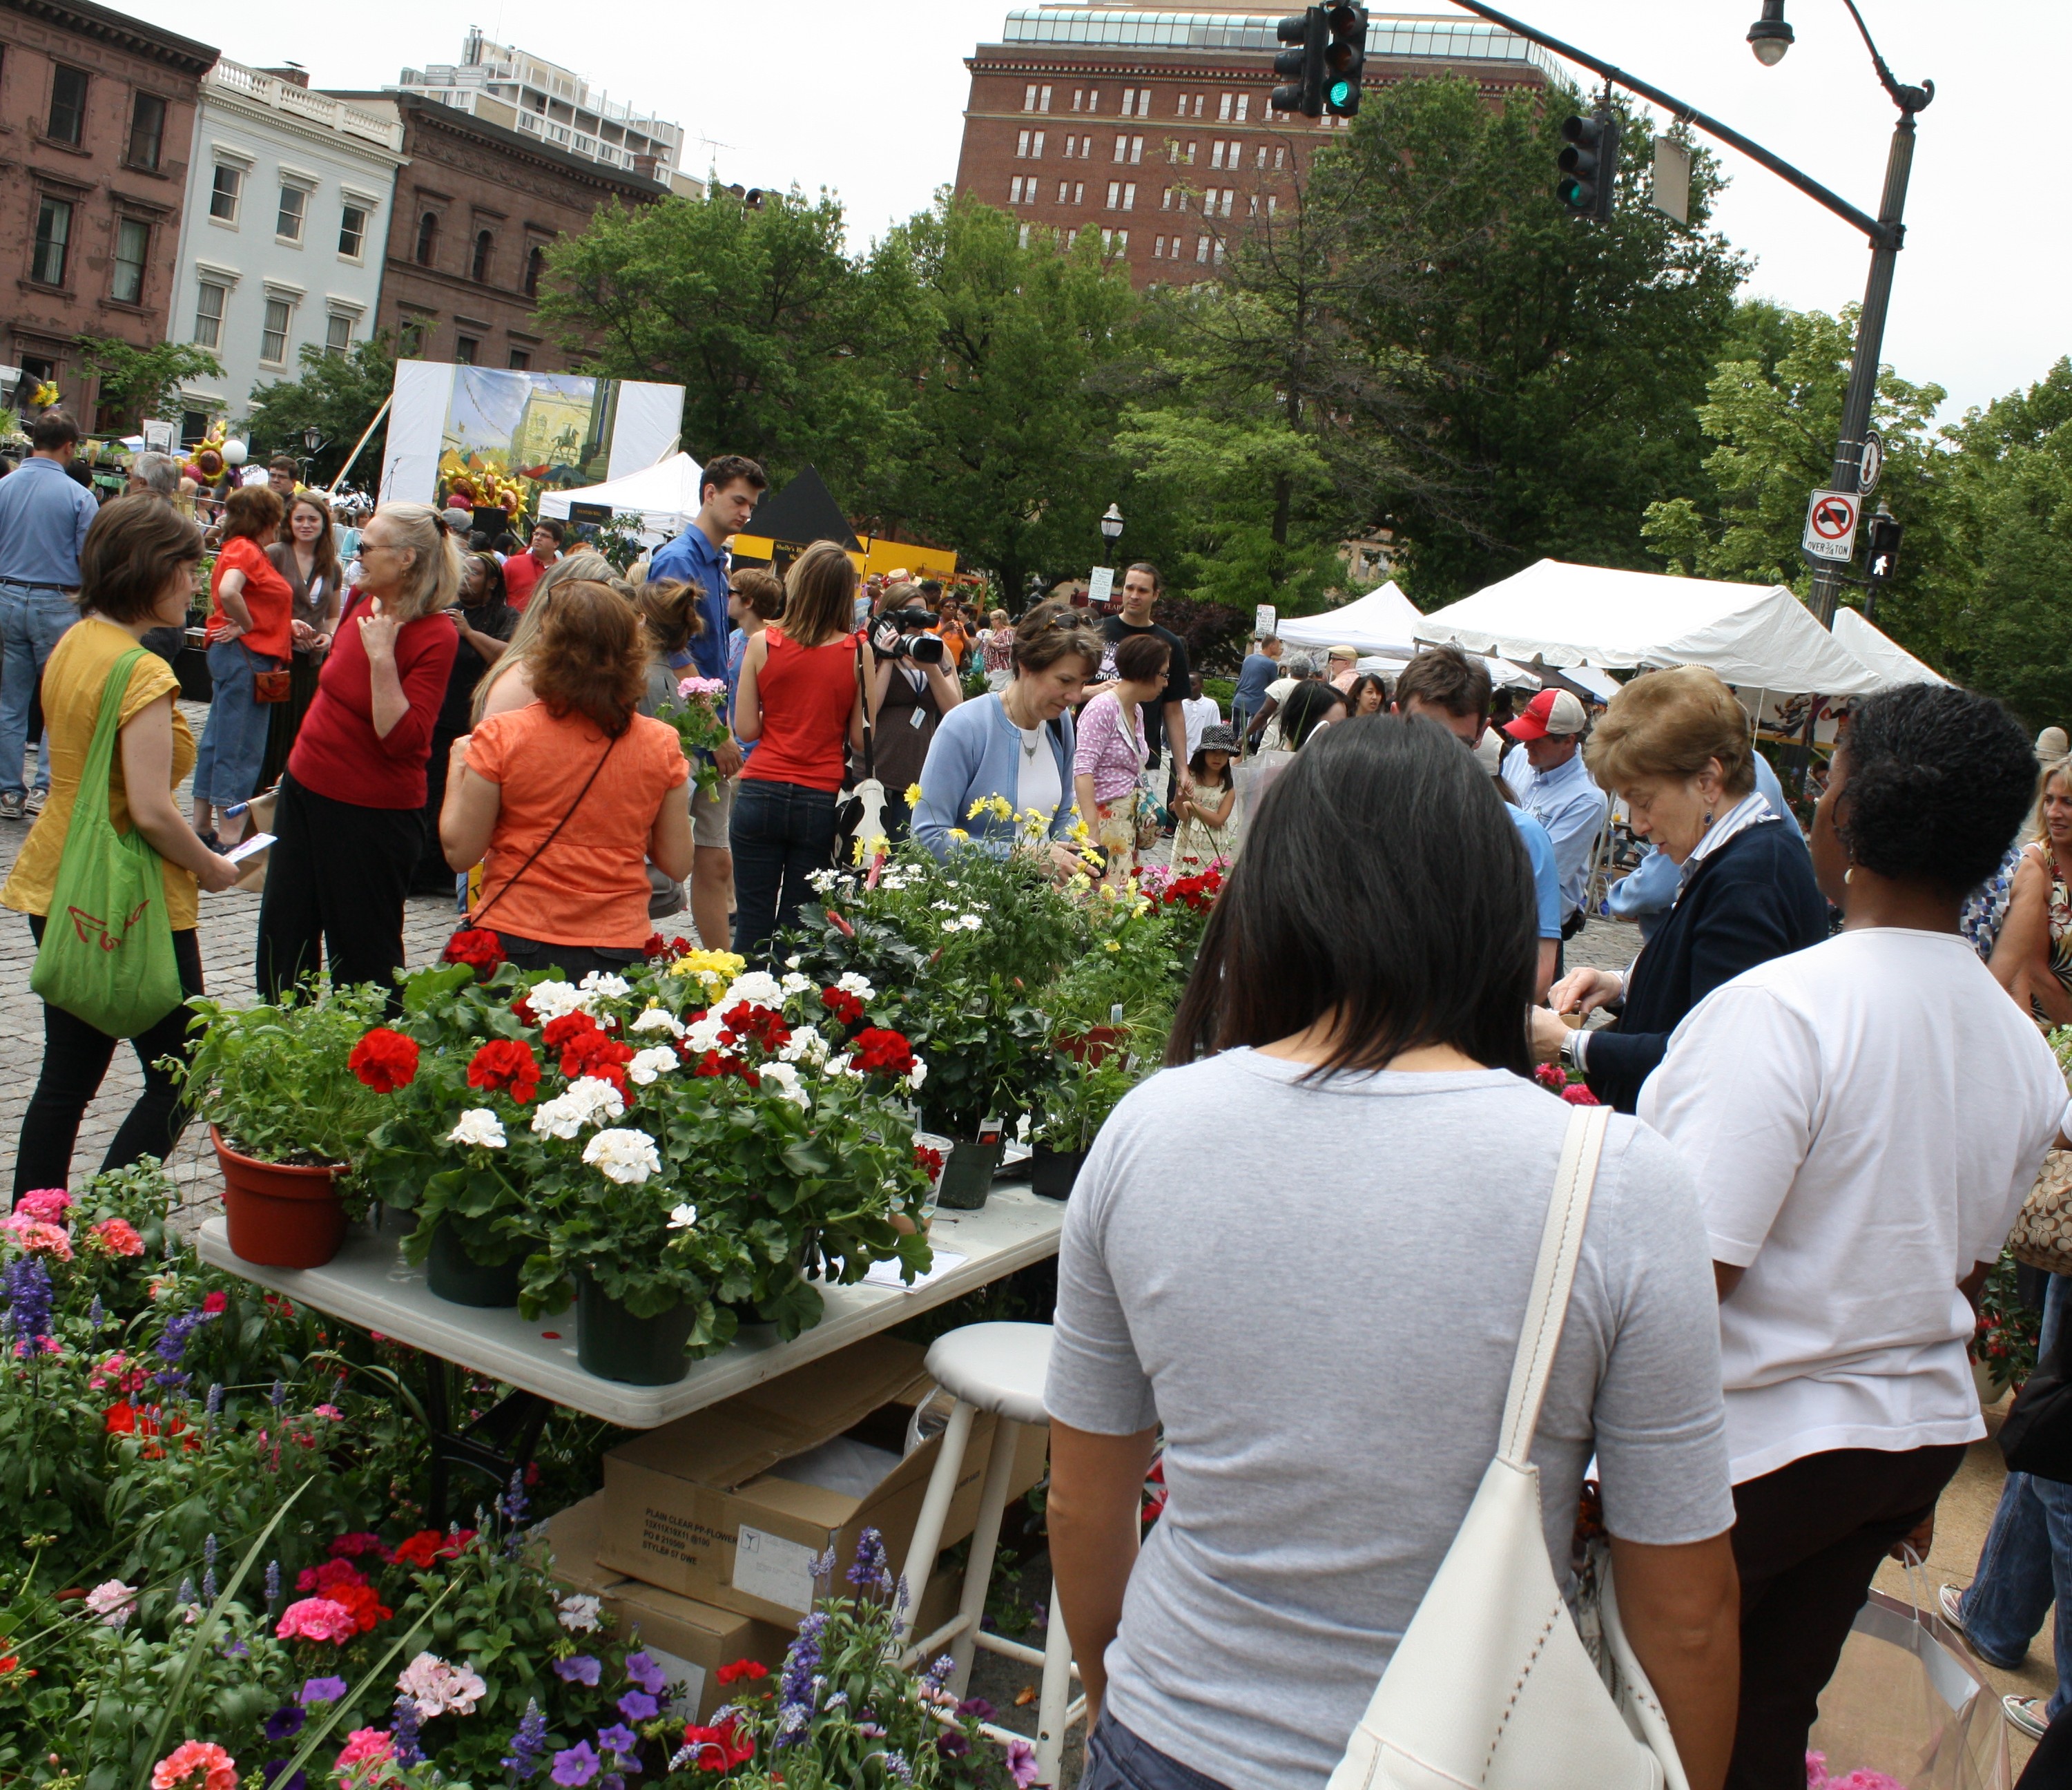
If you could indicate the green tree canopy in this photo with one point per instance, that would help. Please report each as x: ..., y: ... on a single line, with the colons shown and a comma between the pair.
x: 338, y: 394
x: 136, y: 382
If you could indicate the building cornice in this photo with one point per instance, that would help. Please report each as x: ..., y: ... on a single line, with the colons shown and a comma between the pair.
x: 254, y: 112
x: 431, y: 114
x: 121, y: 32
x: 993, y: 58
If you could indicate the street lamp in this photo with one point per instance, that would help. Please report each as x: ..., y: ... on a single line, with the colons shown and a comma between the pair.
x: 313, y: 440
x: 1770, y: 36
x: 1110, y: 528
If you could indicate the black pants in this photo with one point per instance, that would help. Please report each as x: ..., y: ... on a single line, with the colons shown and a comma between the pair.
x: 75, y: 1059
x: 1808, y: 1540
x: 782, y: 833
x: 432, y: 877
x: 336, y: 880
x: 2050, y: 1767
x: 573, y: 961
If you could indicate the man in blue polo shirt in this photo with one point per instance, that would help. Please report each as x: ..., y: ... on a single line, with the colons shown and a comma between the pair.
x: 728, y: 493
x: 1545, y: 769
x: 44, y: 516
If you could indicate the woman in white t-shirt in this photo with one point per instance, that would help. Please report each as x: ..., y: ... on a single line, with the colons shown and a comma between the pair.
x: 1862, y: 1120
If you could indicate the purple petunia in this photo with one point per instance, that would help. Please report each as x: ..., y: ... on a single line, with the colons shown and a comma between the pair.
x: 642, y: 1670
x: 576, y: 1766
x: 637, y: 1706
x: 321, y: 1690
x: 274, y: 1776
x: 952, y: 1745
x: 579, y: 1669
x: 286, y: 1722
x: 618, y: 1738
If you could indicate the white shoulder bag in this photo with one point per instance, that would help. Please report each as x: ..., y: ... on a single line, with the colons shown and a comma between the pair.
x: 1493, y: 1686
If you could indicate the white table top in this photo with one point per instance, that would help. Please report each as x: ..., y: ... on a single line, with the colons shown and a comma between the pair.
x: 369, y: 1284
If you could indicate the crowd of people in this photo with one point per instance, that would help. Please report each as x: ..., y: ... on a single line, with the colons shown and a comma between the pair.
x: 1830, y: 1089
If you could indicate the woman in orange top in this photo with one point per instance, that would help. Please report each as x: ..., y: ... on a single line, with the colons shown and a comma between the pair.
x: 250, y: 631
x: 801, y: 699
x: 570, y: 797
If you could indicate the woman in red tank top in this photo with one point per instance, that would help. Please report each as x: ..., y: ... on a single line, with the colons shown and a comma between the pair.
x: 801, y: 700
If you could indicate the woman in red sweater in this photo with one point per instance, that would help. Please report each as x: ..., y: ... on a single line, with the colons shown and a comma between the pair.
x: 248, y: 632
x: 801, y: 699
x: 348, y: 817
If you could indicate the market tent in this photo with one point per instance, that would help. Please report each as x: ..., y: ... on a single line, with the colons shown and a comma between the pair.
x: 1759, y: 636
x: 664, y: 495
x: 1503, y: 674
x: 1892, y: 664
x: 803, y: 512
x: 1382, y: 621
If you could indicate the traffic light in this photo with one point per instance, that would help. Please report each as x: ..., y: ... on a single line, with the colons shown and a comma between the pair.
x: 1345, y: 57
x: 1882, y: 533
x: 1589, y: 164
x: 1305, y: 93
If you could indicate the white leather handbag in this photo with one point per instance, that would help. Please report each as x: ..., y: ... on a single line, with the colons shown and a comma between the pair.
x: 1493, y: 1685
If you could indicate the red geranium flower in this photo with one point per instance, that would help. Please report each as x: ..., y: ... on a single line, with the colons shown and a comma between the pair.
x: 931, y: 1160
x: 505, y: 1065
x: 846, y: 1007
x: 427, y: 1545
x: 385, y: 1061
x: 721, y: 1748
x: 477, y: 947
x: 119, y: 1420
x: 558, y: 1032
x: 740, y: 1669
x: 523, y: 1008
x: 591, y: 1053
x: 366, y: 1607
x: 214, y: 1303
x: 877, y: 1051
x: 358, y: 1542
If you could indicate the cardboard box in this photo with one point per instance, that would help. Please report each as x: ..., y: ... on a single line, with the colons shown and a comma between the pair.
x: 572, y: 1536
x: 693, y: 1507
x: 691, y: 1641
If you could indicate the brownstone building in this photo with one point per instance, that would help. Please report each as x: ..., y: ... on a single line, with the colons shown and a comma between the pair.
x: 1157, y: 129
x: 477, y: 206
x: 96, y: 119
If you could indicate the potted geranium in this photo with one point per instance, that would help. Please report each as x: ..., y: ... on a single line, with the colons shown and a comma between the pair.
x: 291, y: 1090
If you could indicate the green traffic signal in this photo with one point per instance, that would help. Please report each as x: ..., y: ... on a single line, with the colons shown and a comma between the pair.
x: 1341, y: 92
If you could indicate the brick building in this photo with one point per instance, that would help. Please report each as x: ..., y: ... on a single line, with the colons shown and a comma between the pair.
x: 1157, y: 127
x: 477, y: 206
x: 97, y: 123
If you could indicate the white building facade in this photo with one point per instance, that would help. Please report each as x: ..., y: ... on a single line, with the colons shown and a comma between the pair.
x: 288, y: 202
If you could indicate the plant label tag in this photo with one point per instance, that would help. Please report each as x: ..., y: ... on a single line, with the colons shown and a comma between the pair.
x: 767, y: 1566
x: 681, y: 1672
x: 259, y: 842
x: 988, y: 1131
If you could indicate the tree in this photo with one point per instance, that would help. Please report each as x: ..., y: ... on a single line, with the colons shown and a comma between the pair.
x: 136, y: 382
x: 338, y: 395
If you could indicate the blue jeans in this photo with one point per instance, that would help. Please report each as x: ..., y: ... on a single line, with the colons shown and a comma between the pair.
x: 2026, y: 1561
x: 781, y: 833
x: 33, y: 619
x: 1117, y: 1759
x: 234, y: 744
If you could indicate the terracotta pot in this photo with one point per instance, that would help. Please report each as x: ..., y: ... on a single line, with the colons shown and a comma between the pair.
x: 279, y: 1216
x: 1093, y: 1046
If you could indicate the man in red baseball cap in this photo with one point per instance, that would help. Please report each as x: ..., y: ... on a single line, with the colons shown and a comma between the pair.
x: 1545, y: 771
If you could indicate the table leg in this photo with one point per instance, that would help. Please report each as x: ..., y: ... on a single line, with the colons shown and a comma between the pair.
x: 498, y: 1445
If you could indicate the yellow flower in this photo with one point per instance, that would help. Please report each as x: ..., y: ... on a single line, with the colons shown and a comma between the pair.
x: 713, y: 969
x: 976, y: 809
x: 958, y: 834
x: 1113, y: 946
x: 913, y: 795
x: 1002, y: 808
x: 1080, y: 834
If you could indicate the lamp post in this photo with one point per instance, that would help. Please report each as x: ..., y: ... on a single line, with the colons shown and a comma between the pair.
x: 313, y: 444
x: 1110, y: 528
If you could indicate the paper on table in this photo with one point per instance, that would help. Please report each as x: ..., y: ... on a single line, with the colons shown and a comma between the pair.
x: 887, y: 1274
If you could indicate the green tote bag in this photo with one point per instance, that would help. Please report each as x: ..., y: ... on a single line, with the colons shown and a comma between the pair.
x: 107, y: 954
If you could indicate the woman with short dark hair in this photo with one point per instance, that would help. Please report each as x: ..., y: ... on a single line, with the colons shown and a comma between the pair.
x: 1111, y: 751
x: 1862, y: 1120
x: 137, y: 572
x: 565, y: 801
x: 250, y: 633
x: 1362, y: 986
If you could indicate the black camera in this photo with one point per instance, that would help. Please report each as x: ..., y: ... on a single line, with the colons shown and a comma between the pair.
x: 902, y: 635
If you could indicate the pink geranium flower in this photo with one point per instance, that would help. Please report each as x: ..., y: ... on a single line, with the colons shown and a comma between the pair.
x: 201, y: 1763
x: 48, y: 1205
x: 317, y: 1619
x: 117, y: 1235
x: 38, y: 1236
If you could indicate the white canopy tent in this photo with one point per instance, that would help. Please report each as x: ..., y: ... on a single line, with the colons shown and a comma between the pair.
x: 1381, y: 628
x: 664, y: 495
x: 1758, y: 636
x: 1892, y: 663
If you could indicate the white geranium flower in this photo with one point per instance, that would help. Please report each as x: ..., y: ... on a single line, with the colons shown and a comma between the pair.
x: 805, y: 1046
x: 578, y: 1614
x: 586, y: 1102
x: 839, y: 1066
x: 649, y: 1063
x: 920, y: 1074
x: 605, y: 986
x: 659, y: 1018
x: 683, y: 1218
x: 856, y: 985
x: 793, y: 983
x: 703, y: 1034
x: 757, y: 987
x: 551, y: 1000
x: 480, y: 1127
x: 792, y: 961
x: 786, y: 1078
x: 626, y: 1156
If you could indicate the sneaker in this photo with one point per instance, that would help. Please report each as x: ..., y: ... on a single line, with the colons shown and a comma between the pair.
x: 35, y: 801
x: 2026, y: 1713
x: 11, y: 804
x: 1949, y: 1600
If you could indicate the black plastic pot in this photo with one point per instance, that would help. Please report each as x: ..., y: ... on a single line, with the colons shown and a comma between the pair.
x: 614, y: 1344
x: 1052, y: 1172
x: 967, y: 1176
x: 452, y: 1273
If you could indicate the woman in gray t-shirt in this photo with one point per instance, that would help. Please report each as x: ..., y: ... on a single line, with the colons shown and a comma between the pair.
x: 1326, y: 1356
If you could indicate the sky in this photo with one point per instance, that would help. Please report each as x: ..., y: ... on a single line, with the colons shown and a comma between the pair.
x: 870, y: 104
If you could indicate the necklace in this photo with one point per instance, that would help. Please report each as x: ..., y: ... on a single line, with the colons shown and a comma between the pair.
x: 1028, y: 749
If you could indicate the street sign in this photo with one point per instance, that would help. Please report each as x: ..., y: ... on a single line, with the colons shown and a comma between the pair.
x: 1870, y: 461
x: 1831, y: 525
x: 1264, y: 620
x: 1100, y: 584
x: 1671, y: 193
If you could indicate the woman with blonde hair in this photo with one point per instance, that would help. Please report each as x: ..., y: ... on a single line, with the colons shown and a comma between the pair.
x: 2033, y: 959
x: 347, y: 824
x: 1676, y: 745
x: 567, y: 799
x: 802, y: 697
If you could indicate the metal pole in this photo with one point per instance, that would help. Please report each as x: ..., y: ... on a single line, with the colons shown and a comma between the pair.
x: 332, y: 491
x: 1870, y: 344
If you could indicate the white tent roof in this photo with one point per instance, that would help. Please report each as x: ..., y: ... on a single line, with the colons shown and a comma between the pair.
x: 1891, y: 662
x: 1382, y: 621
x: 665, y: 495
x: 1758, y: 636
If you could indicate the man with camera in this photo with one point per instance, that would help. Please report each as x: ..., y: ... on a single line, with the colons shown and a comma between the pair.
x: 917, y: 686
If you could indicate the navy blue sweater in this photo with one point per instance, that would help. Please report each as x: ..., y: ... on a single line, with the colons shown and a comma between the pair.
x: 1752, y: 899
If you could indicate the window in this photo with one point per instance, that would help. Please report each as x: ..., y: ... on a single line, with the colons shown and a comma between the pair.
x: 1114, y: 194
x: 1198, y: 98
x: 1219, y: 256
x: 1064, y: 186
x: 1243, y: 106
x: 338, y: 333
x: 288, y: 221
x: 1138, y: 103
x: 53, y: 236
x: 1165, y: 201
x: 1137, y: 148
x: 1122, y: 149
x: 534, y: 265
x: 352, y: 231
x: 67, y: 120
x: 1129, y: 197
x: 1182, y: 111
x: 1043, y: 101
x: 1230, y: 199
x: 1223, y: 110
x: 1021, y: 240
x: 1260, y: 161
x: 1280, y: 156
x: 1014, y: 191
x: 1108, y: 241
x: 224, y: 195
x: 521, y: 359
x: 468, y: 351
x: 1071, y: 147
x: 1021, y: 145
x: 1158, y: 248
x: 147, y: 132
x: 485, y: 245
x: 1093, y: 100
x: 1029, y: 98
x: 1271, y: 202
x: 1122, y: 242
x: 428, y: 238
x: 1036, y: 147
x: 1189, y: 157
x: 1078, y: 98
x: 1079, y: 192
x: 273, y: 332
x: 133, y: 250
x: 208, y: 315
x: 1215, y: 155
x: 1201, y: 249
x: 194, y: 427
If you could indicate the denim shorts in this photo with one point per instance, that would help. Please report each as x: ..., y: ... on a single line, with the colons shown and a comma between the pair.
x: 1117, y: 1759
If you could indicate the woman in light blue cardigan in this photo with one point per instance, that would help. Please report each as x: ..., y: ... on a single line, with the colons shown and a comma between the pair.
x: 1016, y: 745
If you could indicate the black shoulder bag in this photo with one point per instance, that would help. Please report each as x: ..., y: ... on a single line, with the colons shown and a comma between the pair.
x: 2036, y: 1438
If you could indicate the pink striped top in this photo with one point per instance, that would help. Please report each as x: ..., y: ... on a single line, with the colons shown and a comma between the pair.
x: 1110, y: 750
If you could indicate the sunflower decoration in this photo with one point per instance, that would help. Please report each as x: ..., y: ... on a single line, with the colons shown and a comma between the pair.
x: 47, y: 395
